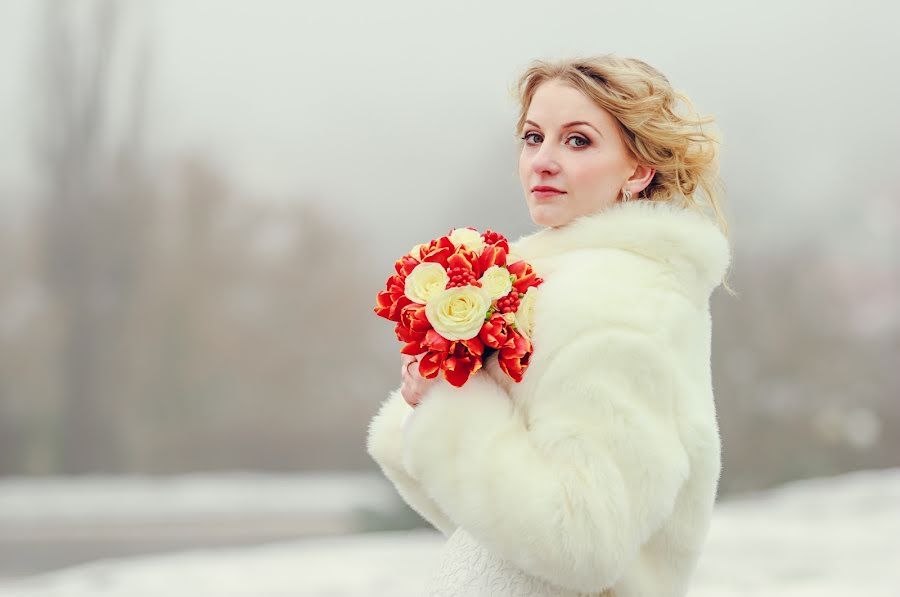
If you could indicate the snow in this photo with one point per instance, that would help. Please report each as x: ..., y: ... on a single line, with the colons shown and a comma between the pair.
x: 822, y: 537
x: 188, y: 497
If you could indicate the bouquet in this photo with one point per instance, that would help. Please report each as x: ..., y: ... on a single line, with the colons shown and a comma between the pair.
x: 457, y: 300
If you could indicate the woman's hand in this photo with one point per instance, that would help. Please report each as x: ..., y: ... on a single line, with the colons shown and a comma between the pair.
x: 414, y: 385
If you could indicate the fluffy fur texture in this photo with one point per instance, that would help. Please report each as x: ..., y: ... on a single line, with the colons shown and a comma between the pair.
x: 598, y: 472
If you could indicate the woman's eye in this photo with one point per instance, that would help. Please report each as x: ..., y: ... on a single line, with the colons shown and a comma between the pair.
x: 534, y: 138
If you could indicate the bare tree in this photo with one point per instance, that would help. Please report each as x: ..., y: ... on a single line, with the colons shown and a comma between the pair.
x: 91, y: 231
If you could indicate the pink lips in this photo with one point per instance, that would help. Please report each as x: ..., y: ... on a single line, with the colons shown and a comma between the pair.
x: 543, y: 192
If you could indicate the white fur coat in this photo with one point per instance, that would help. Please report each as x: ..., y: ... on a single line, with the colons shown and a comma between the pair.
x: 597, y: 473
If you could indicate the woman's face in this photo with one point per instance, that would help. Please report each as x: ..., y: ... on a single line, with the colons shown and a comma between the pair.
x: 573, y: 145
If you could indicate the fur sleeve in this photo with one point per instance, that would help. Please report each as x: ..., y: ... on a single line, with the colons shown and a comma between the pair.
x: 571, y: 493
x: 384, y: 444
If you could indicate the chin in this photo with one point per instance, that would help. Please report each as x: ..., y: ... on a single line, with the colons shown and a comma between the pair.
x: 548, y: 218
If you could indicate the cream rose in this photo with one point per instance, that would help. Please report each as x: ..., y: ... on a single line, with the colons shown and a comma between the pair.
x: 496, y: 281
x: 458, y: 313
x: 470, y: 239
x: 426, y: 281
x: 525, y: 313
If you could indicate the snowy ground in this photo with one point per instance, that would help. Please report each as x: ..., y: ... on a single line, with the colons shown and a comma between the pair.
x: 51, y: 523
x: 823, y: 538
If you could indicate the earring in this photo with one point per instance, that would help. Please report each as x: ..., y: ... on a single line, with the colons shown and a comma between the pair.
x: 626, y: 195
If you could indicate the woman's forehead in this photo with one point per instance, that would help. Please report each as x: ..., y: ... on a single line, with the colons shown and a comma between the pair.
x: 556, y: 104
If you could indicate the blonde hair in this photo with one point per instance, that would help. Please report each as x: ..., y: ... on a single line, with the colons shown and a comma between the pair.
x: 684, y: 154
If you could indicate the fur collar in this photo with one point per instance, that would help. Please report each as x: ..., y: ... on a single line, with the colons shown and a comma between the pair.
x: 683, y: 239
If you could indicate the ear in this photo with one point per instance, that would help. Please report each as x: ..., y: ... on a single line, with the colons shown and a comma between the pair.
x: 640, y: 178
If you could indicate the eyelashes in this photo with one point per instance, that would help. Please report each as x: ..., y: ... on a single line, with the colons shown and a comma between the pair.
x: 585, y: 142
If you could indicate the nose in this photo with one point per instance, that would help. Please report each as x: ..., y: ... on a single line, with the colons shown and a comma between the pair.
x: 544, y: 161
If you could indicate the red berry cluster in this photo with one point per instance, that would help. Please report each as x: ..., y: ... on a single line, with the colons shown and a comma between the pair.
x: 509, y: 303
x: 461, y: 276
x: 492, y: 238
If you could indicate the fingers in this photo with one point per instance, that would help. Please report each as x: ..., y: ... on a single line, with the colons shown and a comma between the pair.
x: 408, y: 371
x: 411, y: 397
x: 409, y: 390
x: 405, y: 363
x: 414, y: 385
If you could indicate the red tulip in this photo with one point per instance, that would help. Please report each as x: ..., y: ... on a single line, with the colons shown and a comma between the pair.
x: 463, y: 361
x: 435, y: 342
x: 437, y: 251
x: 495, y: 332
x: 467, y: 260
x: 411, y: 337
x: 514, y: 357
x: 430, y: 364
x: 390, y: 301
x: 405, y: 265
x: 525, y: 276
x: 413, y: 318
x: 490, y: 256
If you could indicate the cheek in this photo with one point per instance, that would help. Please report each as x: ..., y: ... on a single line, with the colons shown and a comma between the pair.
x: 523, y: 167
x: 594, y: 174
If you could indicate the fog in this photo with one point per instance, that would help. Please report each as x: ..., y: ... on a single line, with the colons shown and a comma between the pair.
x: 200, y: 200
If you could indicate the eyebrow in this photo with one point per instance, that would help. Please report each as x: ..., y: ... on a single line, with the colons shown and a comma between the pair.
x: 568, y: 125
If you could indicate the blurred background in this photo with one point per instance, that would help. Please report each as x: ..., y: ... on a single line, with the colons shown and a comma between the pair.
x: 199, y: 201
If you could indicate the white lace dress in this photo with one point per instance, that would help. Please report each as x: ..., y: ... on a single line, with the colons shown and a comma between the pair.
x: 469, y: 570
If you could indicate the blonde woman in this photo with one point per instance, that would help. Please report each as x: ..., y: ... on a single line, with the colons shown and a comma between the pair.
x: 597, y: 473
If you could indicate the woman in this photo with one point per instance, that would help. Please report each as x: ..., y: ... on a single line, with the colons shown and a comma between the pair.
x: 597, y: 473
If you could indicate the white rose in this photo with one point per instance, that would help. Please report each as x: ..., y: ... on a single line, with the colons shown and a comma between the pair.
x: 525, y: 313
x: 496, y: 281
x: 426, y: 281
x: 415, y: 250
x: 458, y: 313
x: 470, y: 239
